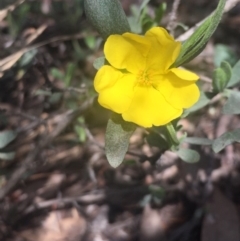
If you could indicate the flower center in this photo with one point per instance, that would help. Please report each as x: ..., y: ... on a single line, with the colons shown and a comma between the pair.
x: 144, y: 78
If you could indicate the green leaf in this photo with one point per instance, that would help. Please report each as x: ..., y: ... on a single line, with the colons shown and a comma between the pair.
x: 55, y: 98
x: 226, y: 67
x: 235, y: 79
x: 188, y: 155
x: 81, y: 133
x: 143, y: 5
x: 202, y: 102
x: 107, y: 16
x: 147, y: 23
x: 7, y: 156
x: 159, y: 12
x: 198, y: 141
x: 6, y: 137
x: 99, y: 62
x: 71, y: 67
x: 57, y: 74
x: 90, y: 42
x: 225, y: 140
x: 117, y: 139
x: 221, y: 77
x: 157, y: 191
x: 232, y: 106
x: 171, y: 131
x: 198, y: 40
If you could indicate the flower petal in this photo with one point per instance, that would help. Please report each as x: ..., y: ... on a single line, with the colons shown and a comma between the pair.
x: 179, y: 93
x: 164, y: 50
x: 184, y: 74
x: 127, y: 51
x: 115, y: 88
x: 106, y: 77
x: 149, y: 108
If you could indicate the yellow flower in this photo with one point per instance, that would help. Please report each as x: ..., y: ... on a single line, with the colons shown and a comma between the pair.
x: 140, y: 84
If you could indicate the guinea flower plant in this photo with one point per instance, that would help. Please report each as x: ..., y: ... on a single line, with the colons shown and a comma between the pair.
x: 140, y: 82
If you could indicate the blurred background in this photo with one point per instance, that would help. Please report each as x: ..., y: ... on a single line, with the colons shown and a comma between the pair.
x: 55, y: 181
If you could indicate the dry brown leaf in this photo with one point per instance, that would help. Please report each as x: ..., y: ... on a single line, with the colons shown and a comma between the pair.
x: 36, y: 33
x: 8, y: 62
x: 221, y: 223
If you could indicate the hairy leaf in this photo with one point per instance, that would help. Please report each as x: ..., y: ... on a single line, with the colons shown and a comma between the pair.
x: 232, y: 105
x: 107, y: 16
x: 117, y: 139
x: 225, y: 140
x: 198, y: 40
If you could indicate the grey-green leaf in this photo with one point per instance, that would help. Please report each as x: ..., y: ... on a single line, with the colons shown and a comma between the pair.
x: 99, y: 62
x: 107, y: 16
x: 6, y: 137
x: 117, y: 139
x: 198, y: 40
x: 232, y: 105
x: 7, y: 156
x: 188, y: 155
x: 235, y: 79
x: 225, y: 140
x: 198, y: 141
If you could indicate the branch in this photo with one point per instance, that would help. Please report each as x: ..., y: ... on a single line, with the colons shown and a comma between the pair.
x: 173, y: 16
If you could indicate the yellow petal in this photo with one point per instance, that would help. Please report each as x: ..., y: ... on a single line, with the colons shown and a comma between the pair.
x: 127, y: 51
x: 164, y: 49
x: 115, y: 89
x: 149, y: 108
x: 179, y: 93
x: 106, y: 77
x: 184, y: 74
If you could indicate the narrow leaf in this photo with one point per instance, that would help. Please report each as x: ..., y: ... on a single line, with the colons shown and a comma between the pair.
x: 117, y: 139
x: 198, y: 141
x: 143, y: 5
